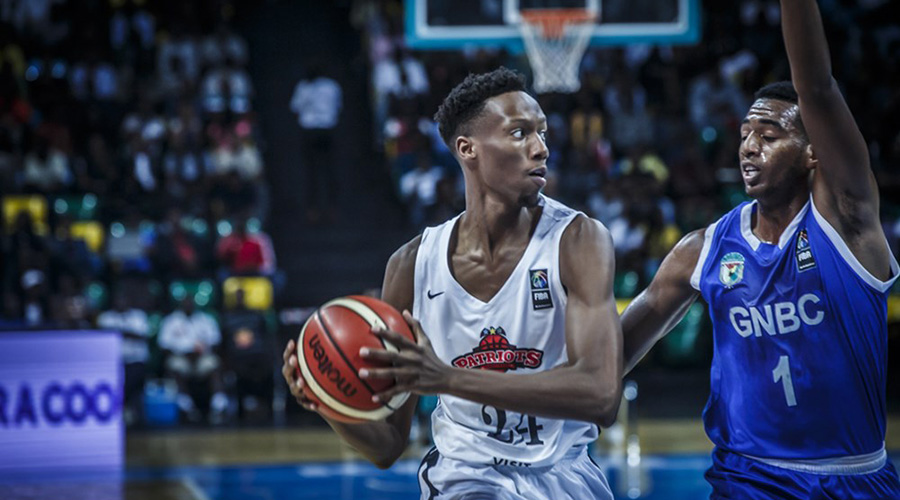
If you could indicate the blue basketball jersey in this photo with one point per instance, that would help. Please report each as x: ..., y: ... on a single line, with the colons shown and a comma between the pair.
x: 800, y: 341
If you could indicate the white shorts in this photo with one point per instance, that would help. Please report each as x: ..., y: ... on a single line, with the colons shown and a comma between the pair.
x: 576, y: 476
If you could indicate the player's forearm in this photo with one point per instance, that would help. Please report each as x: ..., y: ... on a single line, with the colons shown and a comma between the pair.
x: 570, y: 392
x: 644, y: 325
x: 806, y: 46
x: 379, y: 442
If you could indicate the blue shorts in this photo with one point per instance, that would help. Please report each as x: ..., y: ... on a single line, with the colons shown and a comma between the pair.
x: 734, y: 476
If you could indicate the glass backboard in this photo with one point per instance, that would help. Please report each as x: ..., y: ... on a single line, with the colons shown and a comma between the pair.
x: 458, y: 24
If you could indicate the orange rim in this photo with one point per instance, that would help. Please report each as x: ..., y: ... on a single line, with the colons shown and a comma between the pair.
x: 554, y: 21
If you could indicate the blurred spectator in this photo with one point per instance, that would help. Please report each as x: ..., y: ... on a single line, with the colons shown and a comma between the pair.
x: 71, y: 255
x: 47, y: 169
x: 96, y: 172
x: 177, y: 46
x: 128, y: 247
x: 189, y: 339
x: 240, y: 155
x: 135, y: 328
x: 9, y: 163
x: 401, y: 76
x: 317, y: 100
x: 230, y: 195
x: 36, y: 303
x: 249, y: 355
x: 226, y: 87
x: 243, y: 252
x: 418, y: 188
x: 24, y: 247
x: 715, y: 102
x: 69, y: 306
x: 223, y: 45
x: 94, y: 79
x: 630, y: 123
x: 185, y: 170
x: 11, y: 314
x: 175, y: 251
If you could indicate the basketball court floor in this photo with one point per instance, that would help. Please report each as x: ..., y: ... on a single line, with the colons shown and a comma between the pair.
x: 666, y: 462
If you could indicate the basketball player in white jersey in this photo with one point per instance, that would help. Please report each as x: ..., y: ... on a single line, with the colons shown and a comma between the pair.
x: 516, y: 322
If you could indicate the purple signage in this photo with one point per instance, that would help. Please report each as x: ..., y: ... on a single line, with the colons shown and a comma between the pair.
x: 60, y: 401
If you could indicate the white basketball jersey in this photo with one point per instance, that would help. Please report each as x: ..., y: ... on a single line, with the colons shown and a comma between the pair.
x: 520, y: 330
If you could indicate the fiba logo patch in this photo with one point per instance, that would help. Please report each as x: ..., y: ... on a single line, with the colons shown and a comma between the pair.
x: 731, y: 269
x: 805, y: 259
x: 540, y: 289
x: 494, y: 352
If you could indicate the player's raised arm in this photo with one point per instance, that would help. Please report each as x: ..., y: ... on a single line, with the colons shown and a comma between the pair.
x: 380, y: 442
x: 653, y: 313
x: 844, y: 187
x: 588, y: 387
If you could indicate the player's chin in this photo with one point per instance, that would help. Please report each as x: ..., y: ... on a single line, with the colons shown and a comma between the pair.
x: 530, y: 200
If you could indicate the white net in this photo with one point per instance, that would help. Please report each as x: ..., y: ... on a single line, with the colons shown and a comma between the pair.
x: 555, y: 42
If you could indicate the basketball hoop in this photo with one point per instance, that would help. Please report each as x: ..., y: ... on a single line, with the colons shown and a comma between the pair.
x: 555, y: 41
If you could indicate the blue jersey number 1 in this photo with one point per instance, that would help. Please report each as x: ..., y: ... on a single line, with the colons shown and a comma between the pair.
x: 783, y: 372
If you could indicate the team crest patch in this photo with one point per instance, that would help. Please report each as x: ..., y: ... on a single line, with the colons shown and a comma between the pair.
x: 494, y: 352
x: 731, y: 269
x: 805, y: 259
x: 540, y: 289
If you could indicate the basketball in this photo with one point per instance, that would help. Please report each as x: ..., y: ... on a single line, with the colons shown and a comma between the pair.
x: 329, y: 361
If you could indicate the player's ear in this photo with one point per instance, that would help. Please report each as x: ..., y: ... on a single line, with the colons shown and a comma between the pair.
x: 812, y: 162
x: 465, y: 148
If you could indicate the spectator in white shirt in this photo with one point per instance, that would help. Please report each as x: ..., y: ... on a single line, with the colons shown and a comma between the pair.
x: 317, y: 100
x: 188, y: 338
x: 418, y: 188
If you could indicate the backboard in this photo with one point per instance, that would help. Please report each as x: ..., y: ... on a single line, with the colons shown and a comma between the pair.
x: 459, y: 24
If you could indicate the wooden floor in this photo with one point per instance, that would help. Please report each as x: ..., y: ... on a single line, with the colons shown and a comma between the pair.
x: 284, y: 446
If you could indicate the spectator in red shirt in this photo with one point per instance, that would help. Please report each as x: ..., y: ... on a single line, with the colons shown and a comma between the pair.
x: 246, y: 252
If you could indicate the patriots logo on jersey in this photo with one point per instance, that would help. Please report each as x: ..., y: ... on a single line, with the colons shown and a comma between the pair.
x: 731, y: 269
x: 494, y: 352
x: 805, y: 259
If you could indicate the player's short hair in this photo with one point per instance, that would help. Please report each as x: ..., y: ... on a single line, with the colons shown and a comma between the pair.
x: 466, y: 101
x: 782, y: 91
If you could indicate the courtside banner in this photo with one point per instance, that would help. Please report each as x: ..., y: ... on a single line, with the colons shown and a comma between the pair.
x: 60, y: 401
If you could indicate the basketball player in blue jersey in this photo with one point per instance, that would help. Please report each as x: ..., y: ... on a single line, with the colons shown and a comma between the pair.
x: 796, y: 283
x: 519, y: 333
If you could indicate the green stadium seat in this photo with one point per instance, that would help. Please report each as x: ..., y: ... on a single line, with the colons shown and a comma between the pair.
x: 97, y: 294
x: 77, y: 207
x: 202, y: 292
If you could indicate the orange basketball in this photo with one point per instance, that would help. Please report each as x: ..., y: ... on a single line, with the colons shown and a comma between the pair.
x: 329, y: 360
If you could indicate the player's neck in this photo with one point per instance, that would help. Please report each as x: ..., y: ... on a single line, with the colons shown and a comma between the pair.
x: 771, y: 219
x: 489, y: 224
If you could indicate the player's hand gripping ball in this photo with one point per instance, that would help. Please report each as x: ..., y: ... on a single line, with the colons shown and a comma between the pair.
x: 329, y: 361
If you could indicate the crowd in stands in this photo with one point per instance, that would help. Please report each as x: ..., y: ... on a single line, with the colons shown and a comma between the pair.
x: 133, y: 193
x: 132, y: 180
x: 648, y: 145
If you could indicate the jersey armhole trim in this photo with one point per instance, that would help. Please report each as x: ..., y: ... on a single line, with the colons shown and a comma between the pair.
x: 701, y: 261
x: 556, y: 277
x: 421, y: 256
x: 850, y: 259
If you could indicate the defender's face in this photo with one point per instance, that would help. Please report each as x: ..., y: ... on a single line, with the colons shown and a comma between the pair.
x: 773, y: 148
x: 512, y: 153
